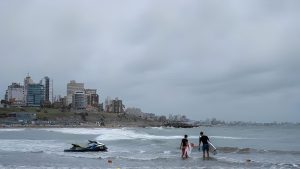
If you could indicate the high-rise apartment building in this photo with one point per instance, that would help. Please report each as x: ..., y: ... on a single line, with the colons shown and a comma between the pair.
x: 114, y: 106
x: 90, y: 91
x: 48, y: 98
x: 27, y: 81
x: 35, y: 94
x: 79, y: 101
x: 92, y: 97
x: 73, y: 87
x: 47, y: 89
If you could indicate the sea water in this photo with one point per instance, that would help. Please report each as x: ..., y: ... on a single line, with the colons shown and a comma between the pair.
x: 147, y: 148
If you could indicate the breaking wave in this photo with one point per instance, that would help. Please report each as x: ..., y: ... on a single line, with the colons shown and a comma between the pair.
x: 125, y: 134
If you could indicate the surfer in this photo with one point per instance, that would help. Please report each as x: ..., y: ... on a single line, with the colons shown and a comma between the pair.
x: 184, y: 146
x: 205, y: 147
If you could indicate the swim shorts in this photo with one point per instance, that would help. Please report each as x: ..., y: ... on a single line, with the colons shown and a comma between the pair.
x: 205, y: 147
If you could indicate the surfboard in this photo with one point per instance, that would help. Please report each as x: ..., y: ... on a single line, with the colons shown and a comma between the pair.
x: 189, y: 149
x: 212, y: 148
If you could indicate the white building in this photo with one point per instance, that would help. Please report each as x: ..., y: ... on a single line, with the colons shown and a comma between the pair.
x: 73, y: 87
x: 90, y: 91
x: 15, y: 94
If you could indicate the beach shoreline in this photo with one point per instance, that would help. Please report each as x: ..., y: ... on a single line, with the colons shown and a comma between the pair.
x: 84, y: 125
x: 55, y: 118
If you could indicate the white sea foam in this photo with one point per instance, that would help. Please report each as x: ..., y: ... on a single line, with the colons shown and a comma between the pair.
x: 81, y: 131
x: 115, y: 134
x: 36, y: 167
x: 232, y: 138
x: 7, y: 129
x: 125, y: 134
x: 158, y: 128
x: 230, y: 160
x: 30, y: 145
x: 141, y: 158
x: 110, y: 134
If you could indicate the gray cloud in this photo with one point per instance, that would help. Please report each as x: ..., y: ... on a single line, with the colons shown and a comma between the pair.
x: 232, y: 60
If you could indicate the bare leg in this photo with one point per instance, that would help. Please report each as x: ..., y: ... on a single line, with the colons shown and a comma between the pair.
x: 184, y: 153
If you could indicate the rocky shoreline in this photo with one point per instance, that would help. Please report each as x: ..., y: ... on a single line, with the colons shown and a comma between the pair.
x: 93, y: 119
x: 92, y: 125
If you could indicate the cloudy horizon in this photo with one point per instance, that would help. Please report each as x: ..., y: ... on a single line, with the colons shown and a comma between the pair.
x: 233, y: 60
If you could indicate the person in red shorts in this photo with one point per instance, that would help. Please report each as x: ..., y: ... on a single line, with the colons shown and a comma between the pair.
x: 184, y: 146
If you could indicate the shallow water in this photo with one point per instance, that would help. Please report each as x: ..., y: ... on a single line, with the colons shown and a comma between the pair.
x: 265, y: 147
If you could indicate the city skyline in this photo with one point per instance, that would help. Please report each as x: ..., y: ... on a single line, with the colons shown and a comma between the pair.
x: 229, y: 60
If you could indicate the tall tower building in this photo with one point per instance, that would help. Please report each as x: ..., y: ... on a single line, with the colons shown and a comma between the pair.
x: 27, y: 81
x: 48, y: 89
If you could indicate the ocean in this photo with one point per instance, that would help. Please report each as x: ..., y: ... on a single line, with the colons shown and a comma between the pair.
x: 147, y: 148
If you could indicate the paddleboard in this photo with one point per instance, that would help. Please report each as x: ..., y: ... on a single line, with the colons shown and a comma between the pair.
x: 212, y: 148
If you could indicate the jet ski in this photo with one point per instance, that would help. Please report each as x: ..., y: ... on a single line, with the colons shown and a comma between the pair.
x: 92, y: 146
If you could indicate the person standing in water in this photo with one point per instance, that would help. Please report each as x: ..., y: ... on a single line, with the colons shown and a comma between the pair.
x: 184, y: 146
x: 205, y: 147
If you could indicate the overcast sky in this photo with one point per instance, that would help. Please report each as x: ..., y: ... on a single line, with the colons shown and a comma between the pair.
x: 233, y: 60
